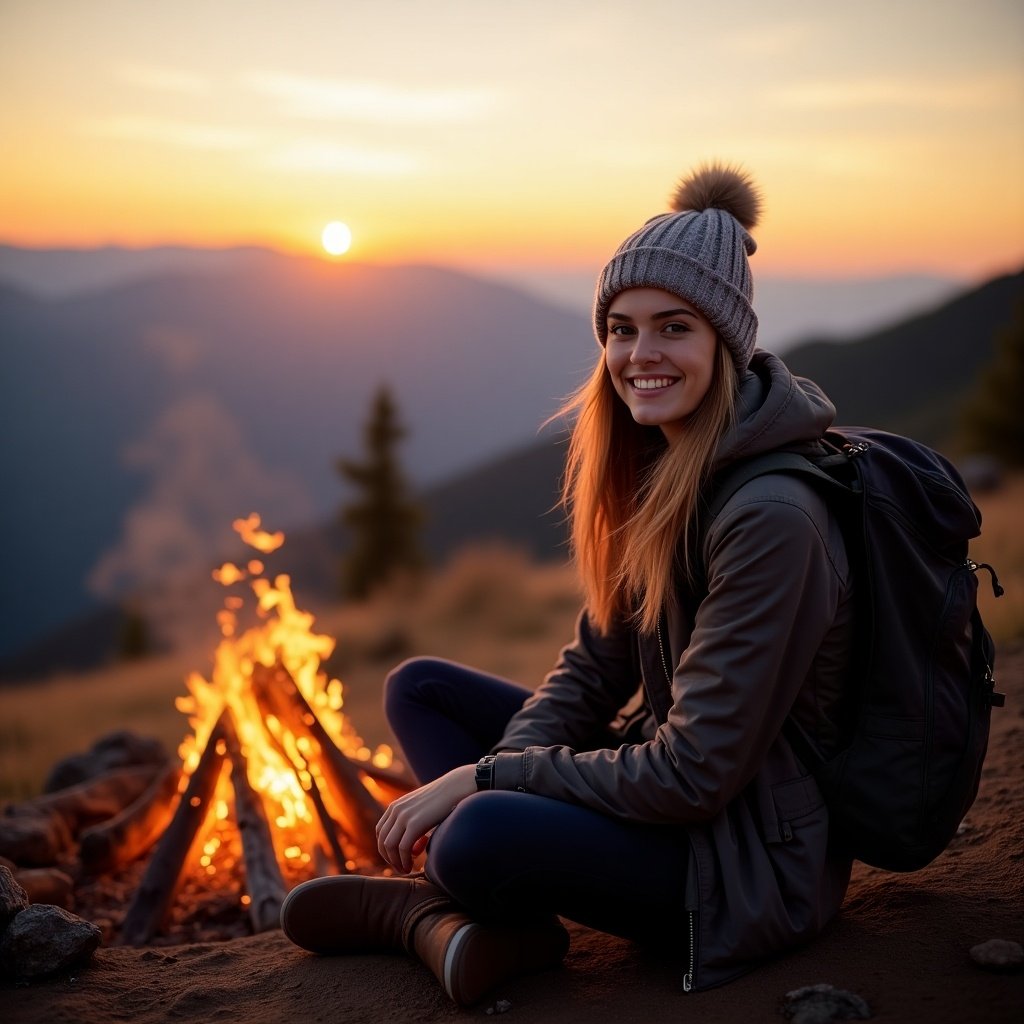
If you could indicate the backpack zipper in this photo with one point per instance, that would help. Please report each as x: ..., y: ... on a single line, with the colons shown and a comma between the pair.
x: 997, y: 587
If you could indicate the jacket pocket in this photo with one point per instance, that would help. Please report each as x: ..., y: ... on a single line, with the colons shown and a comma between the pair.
x: 788, y: 806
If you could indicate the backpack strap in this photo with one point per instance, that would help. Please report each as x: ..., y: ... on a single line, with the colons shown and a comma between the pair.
x: 724, y: 487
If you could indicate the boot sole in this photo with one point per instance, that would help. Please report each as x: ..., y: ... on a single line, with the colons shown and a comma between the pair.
x: 479, y: 957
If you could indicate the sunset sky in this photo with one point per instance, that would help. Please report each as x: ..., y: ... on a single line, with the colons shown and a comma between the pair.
x: 489, y: 134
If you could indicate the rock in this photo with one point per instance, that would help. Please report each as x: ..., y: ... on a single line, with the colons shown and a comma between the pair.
x: 122, y: 749
x: 822, y: 1004
x: 13, y: 898
x: 44, y: 940
x: 33, y: 840
x: 998, y: 955
x: 47, y: 885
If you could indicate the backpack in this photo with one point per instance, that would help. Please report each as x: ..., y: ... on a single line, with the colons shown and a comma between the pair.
x: 916, y: 730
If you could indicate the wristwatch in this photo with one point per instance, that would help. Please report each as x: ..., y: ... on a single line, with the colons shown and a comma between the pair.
x: 485, y: 772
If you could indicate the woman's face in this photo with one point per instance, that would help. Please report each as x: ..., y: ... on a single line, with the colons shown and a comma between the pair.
x: 660, y: 355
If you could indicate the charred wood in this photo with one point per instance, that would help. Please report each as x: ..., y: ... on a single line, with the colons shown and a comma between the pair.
x: 309, y: 785
x: 149, y: 908
x: 262, y: 872
x: 131, y: 833
x: 87, y: 803
x: 357, y: 809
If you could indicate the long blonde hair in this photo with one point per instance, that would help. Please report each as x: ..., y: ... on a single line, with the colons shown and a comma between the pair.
x: 631, y: 497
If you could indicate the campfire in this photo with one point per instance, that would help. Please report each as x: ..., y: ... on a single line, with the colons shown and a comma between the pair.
x: 273, y: 785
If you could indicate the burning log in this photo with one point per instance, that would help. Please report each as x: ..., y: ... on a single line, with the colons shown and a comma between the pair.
x: 152, y: 899
x: 131, y: 833
x: 262, y: 872
x: 359, y: 810
x: 87, y: 803
x: 391, y: 783
x: 305, y: 779
x: 328, y: 825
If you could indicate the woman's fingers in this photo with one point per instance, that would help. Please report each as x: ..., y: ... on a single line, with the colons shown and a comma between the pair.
x: 401, y: 836
x: 403, y: 827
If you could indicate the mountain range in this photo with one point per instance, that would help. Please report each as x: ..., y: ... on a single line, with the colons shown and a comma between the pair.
x: 790, y: 308
x: 146, y: 415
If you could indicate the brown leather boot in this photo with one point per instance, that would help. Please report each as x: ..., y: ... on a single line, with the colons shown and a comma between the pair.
x: 356, y: 913
x: 470, y: 958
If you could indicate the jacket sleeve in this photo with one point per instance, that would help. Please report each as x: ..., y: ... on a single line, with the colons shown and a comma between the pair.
x: 773, y: 593
x: 594, y: 677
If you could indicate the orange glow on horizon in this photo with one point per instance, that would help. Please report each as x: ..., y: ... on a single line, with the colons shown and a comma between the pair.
x: 475, y: 141
x: 872, y: 236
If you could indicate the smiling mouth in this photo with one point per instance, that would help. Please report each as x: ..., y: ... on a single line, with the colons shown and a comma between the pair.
x: 651, y: 383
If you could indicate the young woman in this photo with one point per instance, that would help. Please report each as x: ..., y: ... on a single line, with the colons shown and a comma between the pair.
x: 692, y: 821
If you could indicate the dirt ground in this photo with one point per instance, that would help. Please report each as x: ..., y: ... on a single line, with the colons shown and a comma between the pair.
x: 901, y: 942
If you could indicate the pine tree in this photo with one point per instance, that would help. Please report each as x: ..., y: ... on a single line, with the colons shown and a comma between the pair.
x: 134, y: 639
x: 383, y: 520
x: 993, y: 416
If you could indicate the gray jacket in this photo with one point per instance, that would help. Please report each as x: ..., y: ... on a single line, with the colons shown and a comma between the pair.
x: 771, y: 638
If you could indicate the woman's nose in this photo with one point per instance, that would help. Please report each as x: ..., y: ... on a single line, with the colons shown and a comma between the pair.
x: 644, y: 350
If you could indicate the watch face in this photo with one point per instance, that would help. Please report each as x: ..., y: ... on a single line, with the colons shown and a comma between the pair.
x: 484, y: 773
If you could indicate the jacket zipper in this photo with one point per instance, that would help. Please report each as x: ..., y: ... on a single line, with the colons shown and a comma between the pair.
x: 664, y: 660
x: 688, y: 976
x: 690, y: 914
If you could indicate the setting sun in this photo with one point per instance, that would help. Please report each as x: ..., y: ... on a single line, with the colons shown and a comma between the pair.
x: 336, y: 238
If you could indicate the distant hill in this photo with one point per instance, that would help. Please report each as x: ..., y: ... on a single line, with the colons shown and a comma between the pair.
x: 146, y: 416
x: 910, y: 377
x: 510, y: 500
x: 790, y: 309
x: 64, y: 273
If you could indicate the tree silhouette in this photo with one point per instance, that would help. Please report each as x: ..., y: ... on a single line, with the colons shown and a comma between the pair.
x: 383, y: 519
x: 993, y: 415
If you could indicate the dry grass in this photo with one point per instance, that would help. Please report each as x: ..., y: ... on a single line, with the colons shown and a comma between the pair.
x: 490, y: 607
x: 1002, y: 545
x: 41, y: 722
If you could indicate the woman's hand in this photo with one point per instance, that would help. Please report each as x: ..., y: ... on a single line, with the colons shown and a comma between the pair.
x: 403, y: 828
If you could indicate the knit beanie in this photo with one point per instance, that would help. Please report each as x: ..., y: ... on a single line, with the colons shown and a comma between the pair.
x: 698, y: 252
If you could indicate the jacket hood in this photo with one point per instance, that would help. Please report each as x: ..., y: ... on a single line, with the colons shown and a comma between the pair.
x: 775, y: 409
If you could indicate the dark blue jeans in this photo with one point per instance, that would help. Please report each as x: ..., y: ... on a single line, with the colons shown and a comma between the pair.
x: 506, y: 855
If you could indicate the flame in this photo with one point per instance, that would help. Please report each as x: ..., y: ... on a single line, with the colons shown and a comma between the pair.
x: 279, y: 766
x: 249, y: 530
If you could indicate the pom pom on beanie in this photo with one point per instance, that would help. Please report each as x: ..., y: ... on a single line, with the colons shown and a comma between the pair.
x: 699, y: 252
x: 719, y: 187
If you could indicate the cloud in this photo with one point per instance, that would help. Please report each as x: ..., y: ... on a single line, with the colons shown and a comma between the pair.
x: 947, y: 94
x: 368, y: 102
x: 321, y: 157
x: 768, y: 40
x: 309, y: 155
x: 185, y: 83
x: 183, y: 134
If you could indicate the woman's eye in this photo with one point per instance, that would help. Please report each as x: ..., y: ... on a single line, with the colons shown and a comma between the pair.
x: 676, y: 328
x: 622, y: 330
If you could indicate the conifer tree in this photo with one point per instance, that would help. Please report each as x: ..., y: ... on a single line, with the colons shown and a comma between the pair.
x: 993, y: 416
x: 384, y: 521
